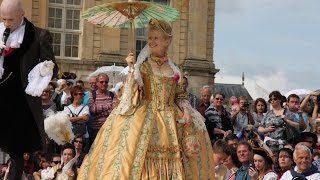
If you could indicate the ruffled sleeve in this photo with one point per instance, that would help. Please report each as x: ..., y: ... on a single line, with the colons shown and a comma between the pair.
x: 184, y: 104
x: 131, y: 93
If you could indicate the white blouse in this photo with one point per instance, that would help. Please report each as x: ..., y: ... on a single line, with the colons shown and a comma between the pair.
x: 270, y: 176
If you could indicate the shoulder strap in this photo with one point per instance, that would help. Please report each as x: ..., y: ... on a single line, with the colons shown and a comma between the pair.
x: 71, y: 111
x: 284, y: 111
x: 81, y: 110
x: 94, y: 96
x: 110, y: 94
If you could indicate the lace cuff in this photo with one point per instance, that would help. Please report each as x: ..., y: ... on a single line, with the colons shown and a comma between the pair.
x: 37, y: 82
x: 197, y: 119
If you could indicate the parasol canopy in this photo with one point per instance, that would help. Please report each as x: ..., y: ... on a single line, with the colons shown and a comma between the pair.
x: 113, y: 73
x: 130, y: 14
x: 299, y: 92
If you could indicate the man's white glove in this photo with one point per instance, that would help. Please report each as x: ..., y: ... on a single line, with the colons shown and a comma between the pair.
x: 2, y: 45
x: 46, y: 68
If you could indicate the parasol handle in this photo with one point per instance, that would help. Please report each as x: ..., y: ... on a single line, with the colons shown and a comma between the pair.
x: 131, y: 34
x: 131, y: 39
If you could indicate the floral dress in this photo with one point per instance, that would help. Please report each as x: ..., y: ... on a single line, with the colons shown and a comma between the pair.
x: 278, y: 136
x: 141, y: 139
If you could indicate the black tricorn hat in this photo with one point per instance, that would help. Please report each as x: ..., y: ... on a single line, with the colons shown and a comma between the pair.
x: 264, y: 153
x: 67, y: 75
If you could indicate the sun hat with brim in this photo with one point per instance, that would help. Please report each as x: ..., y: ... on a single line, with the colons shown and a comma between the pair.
x: 262, y: 152
x: 306, y: 135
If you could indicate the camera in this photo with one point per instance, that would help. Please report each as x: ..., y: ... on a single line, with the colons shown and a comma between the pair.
x: 252, y: 135
x: 276, y: 125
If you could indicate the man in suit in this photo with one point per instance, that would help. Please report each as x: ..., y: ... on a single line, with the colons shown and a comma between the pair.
x: 26, y: 46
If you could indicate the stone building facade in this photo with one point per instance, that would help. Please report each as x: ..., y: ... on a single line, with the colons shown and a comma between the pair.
x: 81, y: 47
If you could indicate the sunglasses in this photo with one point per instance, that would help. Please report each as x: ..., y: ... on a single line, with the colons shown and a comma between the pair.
x: 101, y: 82
x: 77, y: 94
x: 57, y: 162
x: 247, y: 130
x: 76, y: 141
x: 221, y: 99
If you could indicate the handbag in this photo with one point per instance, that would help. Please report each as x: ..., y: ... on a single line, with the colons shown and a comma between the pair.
x: 292, y: 133
x: 190, y: 143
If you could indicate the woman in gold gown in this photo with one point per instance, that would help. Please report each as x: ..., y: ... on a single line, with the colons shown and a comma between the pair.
x: 153, y: 133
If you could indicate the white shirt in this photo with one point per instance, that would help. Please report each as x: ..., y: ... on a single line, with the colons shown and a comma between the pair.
x: 287, y: 175
x: 270, y: 176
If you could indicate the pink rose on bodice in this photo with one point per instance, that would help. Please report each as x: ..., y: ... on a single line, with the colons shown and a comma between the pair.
x: 176, y: 77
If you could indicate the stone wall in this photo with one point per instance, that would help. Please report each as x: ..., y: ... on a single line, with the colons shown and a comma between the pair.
x: 192, y: 45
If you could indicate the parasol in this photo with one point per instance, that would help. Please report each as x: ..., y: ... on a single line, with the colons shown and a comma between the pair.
x: 299, y: 92
x: 113, y: 73
x: 131, y: 14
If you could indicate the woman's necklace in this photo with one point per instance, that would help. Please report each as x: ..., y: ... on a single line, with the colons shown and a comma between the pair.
x: 159, y: 61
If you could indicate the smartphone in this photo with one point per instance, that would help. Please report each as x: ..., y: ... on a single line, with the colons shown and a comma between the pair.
x: 252, y: 166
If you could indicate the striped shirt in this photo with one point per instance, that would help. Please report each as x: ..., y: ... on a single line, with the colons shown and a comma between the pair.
x: 99, y: 109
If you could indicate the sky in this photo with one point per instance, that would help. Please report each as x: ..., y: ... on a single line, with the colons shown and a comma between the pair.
x: 274, y: 42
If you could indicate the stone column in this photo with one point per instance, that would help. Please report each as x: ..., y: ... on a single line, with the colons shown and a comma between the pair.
x: 198, y: 64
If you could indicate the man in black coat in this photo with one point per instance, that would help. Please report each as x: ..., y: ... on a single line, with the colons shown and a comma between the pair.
x: 23, y: 129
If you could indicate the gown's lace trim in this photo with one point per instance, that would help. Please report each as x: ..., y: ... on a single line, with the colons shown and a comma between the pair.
x: 197, y: 118
x: 125, y: 102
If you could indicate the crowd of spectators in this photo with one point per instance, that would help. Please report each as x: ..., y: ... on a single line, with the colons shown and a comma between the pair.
x: 269, y: 139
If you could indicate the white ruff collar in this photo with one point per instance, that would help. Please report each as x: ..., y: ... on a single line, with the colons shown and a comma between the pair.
x: 14, y: 40
x: 15, y: 37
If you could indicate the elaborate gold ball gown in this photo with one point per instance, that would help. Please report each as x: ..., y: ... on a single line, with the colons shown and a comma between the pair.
x: 141, y: 139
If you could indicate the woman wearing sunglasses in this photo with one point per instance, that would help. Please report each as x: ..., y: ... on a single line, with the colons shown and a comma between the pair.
x: 273, y: 125
x: 77, y: 111
x: 79, y: 144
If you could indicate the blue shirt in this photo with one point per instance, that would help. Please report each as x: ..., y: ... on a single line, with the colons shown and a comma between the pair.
x: 86, y: 98
x: 243, y: 173
x: 304, y: 117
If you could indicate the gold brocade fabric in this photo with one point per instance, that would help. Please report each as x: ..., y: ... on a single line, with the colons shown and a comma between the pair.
x: 147, y: 144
